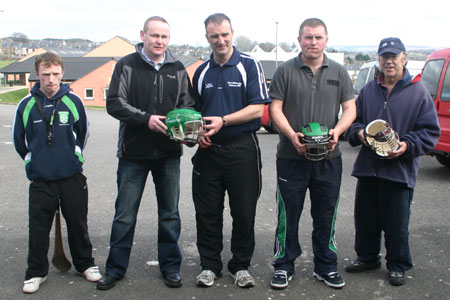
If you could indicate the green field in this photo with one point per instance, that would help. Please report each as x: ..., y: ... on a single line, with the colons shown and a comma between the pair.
x: 4, y: 63
x: 13, y: 96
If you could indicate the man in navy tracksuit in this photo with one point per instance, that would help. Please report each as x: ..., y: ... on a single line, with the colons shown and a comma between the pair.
x: 50, y: 132
x: 385, y: 187
x: 230, y: 91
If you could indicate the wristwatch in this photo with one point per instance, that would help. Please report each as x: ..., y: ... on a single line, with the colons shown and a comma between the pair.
x: 224, y: 121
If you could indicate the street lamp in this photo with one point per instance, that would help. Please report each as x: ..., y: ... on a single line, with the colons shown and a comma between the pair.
x: 276, y: 44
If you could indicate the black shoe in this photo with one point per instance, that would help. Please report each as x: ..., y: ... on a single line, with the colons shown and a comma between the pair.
x: 280, y: 279
x: 359, y: 266
x: 397, y: 278
x: 332, y: 279
x: 107, y: 282
x: 172, y: 280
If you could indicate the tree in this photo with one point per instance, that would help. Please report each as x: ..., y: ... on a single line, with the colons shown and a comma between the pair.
x: 267, y: 46
x: 20, y: 37
x: 244, y: 44
x: 362, y: 57
x: 285, y: 46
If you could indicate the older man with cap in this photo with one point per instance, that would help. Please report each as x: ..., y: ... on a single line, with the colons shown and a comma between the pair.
x: 386, y: 184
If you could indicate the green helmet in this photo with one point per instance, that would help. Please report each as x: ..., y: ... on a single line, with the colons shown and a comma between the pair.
x: 184, y: 125
x: 316, y: 140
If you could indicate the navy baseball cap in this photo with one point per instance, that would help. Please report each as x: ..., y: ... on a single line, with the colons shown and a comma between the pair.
x: 390, y: 45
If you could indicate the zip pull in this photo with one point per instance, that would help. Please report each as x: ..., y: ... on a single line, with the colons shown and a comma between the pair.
x: 385, y: 103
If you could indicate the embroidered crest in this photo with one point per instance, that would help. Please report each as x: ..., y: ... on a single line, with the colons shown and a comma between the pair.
x: 63, y: 117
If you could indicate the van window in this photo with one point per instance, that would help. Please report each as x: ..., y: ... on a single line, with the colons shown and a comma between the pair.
x: 445, y: 94
x: 431, y: 75
x: 361, y: 80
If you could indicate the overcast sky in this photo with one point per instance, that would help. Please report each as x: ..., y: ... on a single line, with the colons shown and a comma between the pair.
x: 352, y: 22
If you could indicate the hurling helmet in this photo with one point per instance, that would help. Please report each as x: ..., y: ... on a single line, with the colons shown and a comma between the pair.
x: 184, y: 125
x: 316, y: 139
x: 381, y: 138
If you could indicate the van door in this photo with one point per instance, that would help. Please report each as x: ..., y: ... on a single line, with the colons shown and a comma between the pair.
x: 436, y: 79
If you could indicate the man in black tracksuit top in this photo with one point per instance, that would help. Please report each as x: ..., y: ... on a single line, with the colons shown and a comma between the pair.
x: 50, y: 131
x: 145, y: 86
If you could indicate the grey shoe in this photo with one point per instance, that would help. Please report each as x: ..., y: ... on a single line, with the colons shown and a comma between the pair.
x: 206, y: 278
x: 243, y: 279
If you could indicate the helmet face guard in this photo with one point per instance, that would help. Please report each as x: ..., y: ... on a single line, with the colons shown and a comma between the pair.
x: 316, y: 139
x: 381, y: 138
x: 184, y: 125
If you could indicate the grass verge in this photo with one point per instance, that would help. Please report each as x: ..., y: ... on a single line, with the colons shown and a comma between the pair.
x: 13, y: 96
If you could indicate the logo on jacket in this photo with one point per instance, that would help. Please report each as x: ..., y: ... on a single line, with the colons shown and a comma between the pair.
x: 171, y: 76
x: 209, y: 85
x: 234, y: 84
x: 63, y: 117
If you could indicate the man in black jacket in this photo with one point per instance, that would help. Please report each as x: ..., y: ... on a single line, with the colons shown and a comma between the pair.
x: 145, y: 86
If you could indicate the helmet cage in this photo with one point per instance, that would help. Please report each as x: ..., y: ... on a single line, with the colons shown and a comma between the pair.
x: 381, y: 138
x: 184, y: 125
x: 316, y: 139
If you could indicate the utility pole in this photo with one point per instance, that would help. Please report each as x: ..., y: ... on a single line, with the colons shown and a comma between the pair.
x: 276, y: 44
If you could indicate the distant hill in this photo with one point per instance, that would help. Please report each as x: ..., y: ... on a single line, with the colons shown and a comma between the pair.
x: 367, y: 48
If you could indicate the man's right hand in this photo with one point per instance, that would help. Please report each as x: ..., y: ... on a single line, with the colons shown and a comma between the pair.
x: 295, y: 138
x: 155, y: 123
x: 362, y: 138
x: 205, y: 142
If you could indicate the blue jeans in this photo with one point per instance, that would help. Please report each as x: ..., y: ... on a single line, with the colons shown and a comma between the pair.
x: 131, y: 179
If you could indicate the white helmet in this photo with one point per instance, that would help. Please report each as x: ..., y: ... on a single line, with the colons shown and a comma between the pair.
x: 381, y: 137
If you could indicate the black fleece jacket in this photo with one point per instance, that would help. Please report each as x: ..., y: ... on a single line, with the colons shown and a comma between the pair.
x: 137, y: 91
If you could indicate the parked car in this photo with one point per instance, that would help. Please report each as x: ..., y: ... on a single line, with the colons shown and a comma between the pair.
x: 436, y: 78
x: 368, y: 70
x: 266, y: 122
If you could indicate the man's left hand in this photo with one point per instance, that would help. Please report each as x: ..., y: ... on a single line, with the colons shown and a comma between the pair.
x: 333, y: 141
x: 215, y: 124
x: 402, y: 146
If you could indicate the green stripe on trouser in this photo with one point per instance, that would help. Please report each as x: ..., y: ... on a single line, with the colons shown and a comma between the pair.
x: 332, y: 242
x: 281, y: 230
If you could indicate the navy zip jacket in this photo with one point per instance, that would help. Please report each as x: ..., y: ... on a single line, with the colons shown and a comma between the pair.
x: 63, y: 157
x: 137, y: 91
x: 410, y: 111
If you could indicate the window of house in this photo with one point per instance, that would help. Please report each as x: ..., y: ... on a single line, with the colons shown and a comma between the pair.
x: 89, y: 94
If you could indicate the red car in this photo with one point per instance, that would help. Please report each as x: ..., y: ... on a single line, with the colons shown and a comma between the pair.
x: 436, y: 78
x: 266, y: 122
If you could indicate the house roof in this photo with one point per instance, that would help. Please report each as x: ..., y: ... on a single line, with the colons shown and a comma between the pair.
x: 186, y: 60
x: 117, y: 46
x: 62, y: 51
x: 75, y: 67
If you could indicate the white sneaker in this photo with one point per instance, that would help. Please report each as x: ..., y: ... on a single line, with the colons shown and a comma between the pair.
x: 243, y: 279
x: 206, y: 278
x: 92, y: 274
x: 32, y: 285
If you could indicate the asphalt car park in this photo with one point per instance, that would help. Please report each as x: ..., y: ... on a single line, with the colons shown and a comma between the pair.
x: 429, y: 232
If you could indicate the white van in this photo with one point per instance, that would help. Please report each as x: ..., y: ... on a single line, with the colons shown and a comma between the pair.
x: 367, y: 72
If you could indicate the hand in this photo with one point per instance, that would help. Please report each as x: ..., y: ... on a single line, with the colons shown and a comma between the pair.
x: 205, y: 142
x: 155, y: 123
x: 362, y: 138
x: 215, y: 124
x: 402, y: 146
x: 295, y: 139
x: 333, y: 141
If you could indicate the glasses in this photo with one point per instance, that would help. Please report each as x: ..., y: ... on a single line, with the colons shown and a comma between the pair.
x: 387, y: 56
x: 157, y: 36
